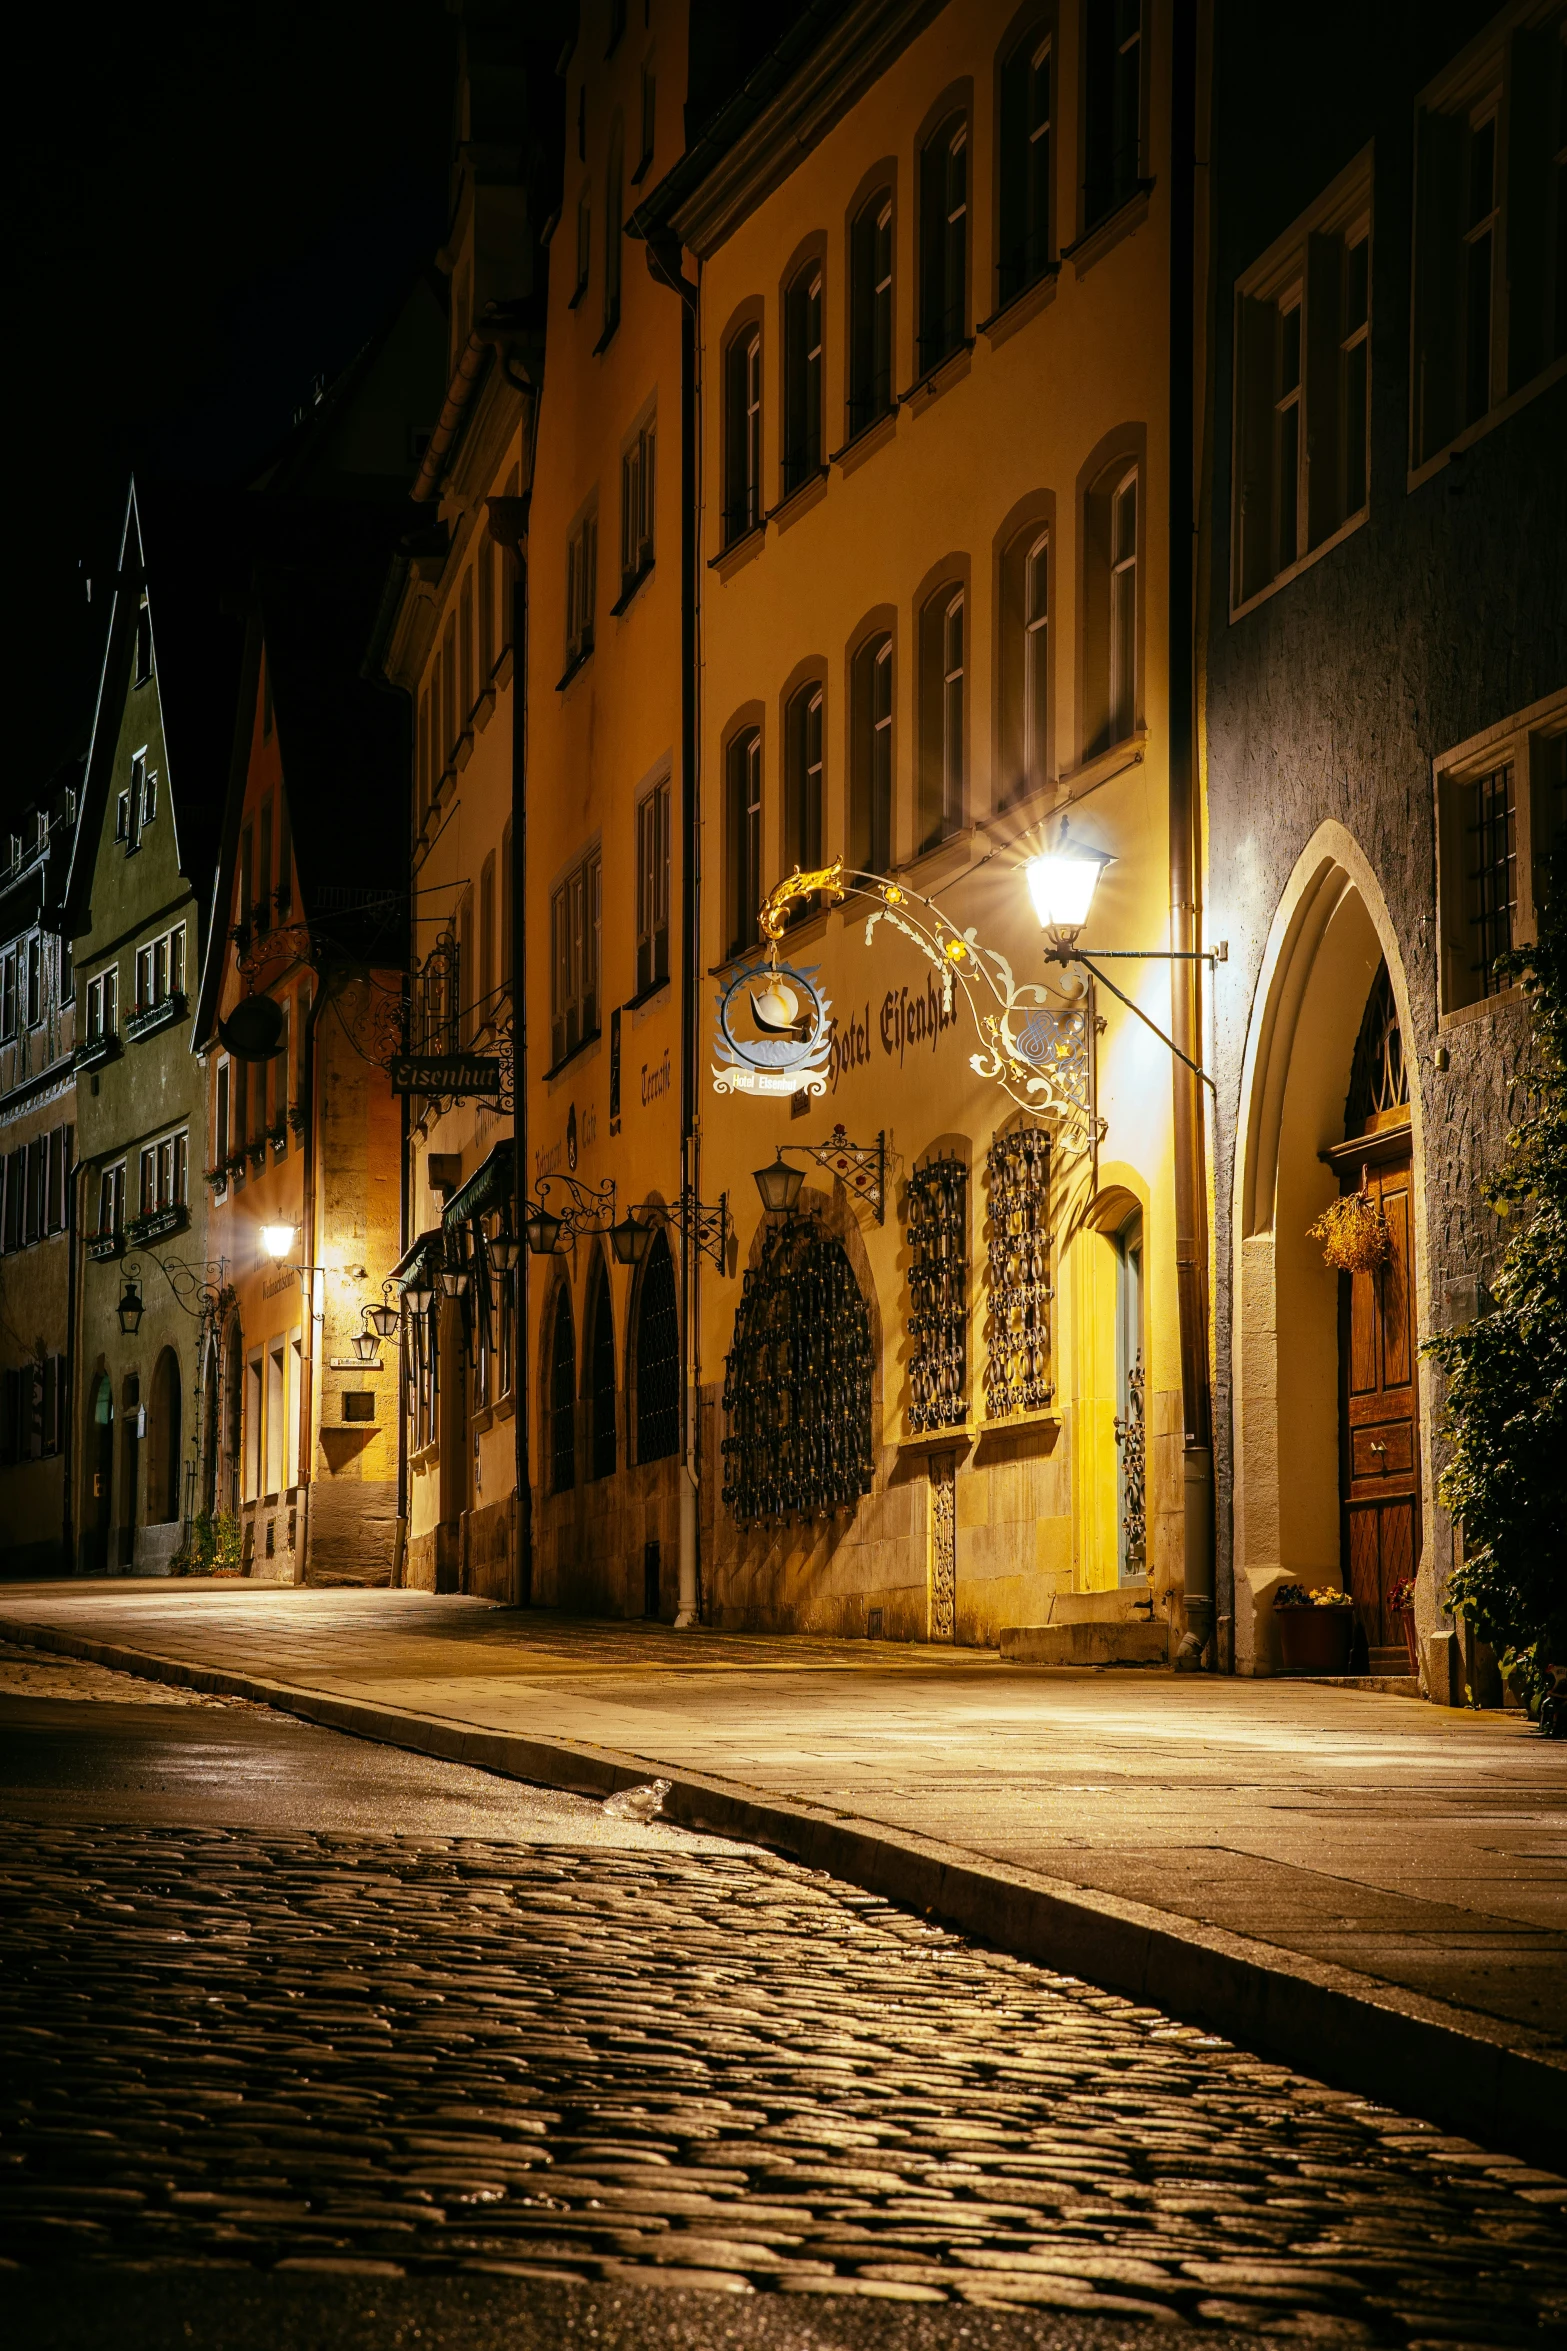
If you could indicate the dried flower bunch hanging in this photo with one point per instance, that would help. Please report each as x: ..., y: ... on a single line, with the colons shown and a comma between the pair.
x: 1354, y: 1232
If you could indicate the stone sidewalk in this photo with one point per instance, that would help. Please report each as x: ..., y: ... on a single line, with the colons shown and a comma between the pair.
x: 1364, y: 1885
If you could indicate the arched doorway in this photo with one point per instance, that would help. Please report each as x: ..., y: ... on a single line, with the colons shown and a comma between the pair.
x: 100, y: 1513
x: 164, y: 1441
x: 562, y: 1395
x: 130, y: 1468
x: 797, y: 1383
x: 1332, y: 1004
x: 598, y: 1375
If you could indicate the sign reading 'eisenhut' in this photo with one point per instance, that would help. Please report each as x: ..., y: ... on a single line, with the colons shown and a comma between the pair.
x: 446, y: 1073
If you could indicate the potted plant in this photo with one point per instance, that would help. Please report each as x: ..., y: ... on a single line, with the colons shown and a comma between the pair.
x: 1315, y: 1624
x: 1401, y: 1603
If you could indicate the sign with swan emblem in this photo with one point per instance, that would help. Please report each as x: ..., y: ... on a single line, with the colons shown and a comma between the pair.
x: 772, y: 1031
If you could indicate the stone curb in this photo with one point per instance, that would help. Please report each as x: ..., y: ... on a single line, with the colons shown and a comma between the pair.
x: 1501, y: 2086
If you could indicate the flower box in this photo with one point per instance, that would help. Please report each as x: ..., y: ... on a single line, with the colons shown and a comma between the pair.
x: 1315, y: 1640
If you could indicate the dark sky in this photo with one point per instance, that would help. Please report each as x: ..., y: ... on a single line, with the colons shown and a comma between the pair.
x: 215, y: 203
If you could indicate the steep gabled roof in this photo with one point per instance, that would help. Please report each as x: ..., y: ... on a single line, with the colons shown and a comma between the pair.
x: 184, y: 547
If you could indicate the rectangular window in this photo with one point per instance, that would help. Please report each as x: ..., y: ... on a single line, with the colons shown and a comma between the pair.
x: 465, y: 641
x: 584, y: 247
x: 575, y: 920
x: 276, y: 1418
x: 506, y: 908
x: 143, y: 642
x: 870, y: 753
x: 285, y: 864
x: 1112, y: 106
x: 653, y: 888
x: 1490, y: 277
x: 487, y: 941
x: 422, y: 761
x: 1302, y: 389
x: 581, y: 583
x: 636, y: 510
x: 742, y: 435
x: 870, y: 314
x: 612, y: 241
x: 1123, y: 609
x: 137, y: 802
x: 8, y: 993
x: 1501, y: 805
x: 246, y: 873
x: 1023, y: 241
x: 485, y: 568
x: 744, y: 792
x: 148, y: 1186
x: 803, y: 785
x: 941, y: 717
x: 264, y: 867
x: 802, y: 450
x: 943, y: 244
x: 35, y: 980
x: 122, y: 817
x: 449, y: 720
x: 220, y: 1117
x: 149, y: 804
x: 253, y: 1427
x: 111, y: 1200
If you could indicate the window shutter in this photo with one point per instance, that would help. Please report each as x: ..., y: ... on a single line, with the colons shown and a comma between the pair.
x: 1324, y: 328
x: 1532, y: 79
x: 1436, y: 284
x: 1256, y: 327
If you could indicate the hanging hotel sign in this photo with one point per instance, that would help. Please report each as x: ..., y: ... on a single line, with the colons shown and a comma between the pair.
x: 454, y: 1074
x: 774, y: 1032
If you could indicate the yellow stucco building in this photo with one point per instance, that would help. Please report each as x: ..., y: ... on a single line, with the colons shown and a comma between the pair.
x: 900, y: 591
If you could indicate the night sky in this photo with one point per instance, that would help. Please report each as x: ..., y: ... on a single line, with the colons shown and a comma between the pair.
x: 214, y: 204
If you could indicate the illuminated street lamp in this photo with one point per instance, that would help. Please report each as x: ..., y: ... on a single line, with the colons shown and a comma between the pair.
x: 130, y: 1306
x: 419, y: 1296
x: 454, y: 1280
x: 1061, y: 884
x: 366, y: 1344
x: 542, y: 1230
x: 277, y: 1240
x: 382, y: 1319
x: 504, y: 1251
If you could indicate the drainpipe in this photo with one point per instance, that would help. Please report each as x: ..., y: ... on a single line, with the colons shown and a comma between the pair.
x: 400, y: 1541
x: 522, y: 1345
x: 663, y: 260
x: 1191, y: 1185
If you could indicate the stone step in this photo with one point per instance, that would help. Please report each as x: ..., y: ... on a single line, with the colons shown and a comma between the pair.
x: 1098, y: 1641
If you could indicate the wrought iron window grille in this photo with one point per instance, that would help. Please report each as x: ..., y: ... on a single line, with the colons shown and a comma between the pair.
x: 937, y: 1211
x: 797, y: 1383
x: 1018, y: 1275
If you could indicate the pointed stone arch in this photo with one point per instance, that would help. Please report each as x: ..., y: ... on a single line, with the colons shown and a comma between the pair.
x: 1331, y: 935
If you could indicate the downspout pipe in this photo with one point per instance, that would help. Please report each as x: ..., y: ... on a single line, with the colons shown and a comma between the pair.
x: 73, y: 1243
x: 1191, y: 1183
x: 663, y: 260
x: 522, y: 1349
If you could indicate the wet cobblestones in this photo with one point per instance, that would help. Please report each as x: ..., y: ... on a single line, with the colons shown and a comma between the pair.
x: 706, y: 2066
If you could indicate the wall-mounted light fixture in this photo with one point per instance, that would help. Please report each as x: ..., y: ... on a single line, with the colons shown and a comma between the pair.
x: 130, y: 1306
x: 703, y: 1226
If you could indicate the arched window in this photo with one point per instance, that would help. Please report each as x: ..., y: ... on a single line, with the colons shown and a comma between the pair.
x: 803, y: 782
x: 1112, y: 71
x: 943, y: 242
x: 163, y: 1453
x: 941, y: 716
x: 1025, y: 664
x: 658, y: 1356
x: 742, y: 434
x: 601, y: 1379
x: 802, y: 449
x: 1023, y: 231
x: 1111, y: 551
x: 870, y: 755
x: 870, y: 312
x: 797, y: 1383
x: 743, y: 790
x: 563, y: 1396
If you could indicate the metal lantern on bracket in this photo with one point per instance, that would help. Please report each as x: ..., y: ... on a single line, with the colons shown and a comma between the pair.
x: 419, y: 1296
x: 130, y: 1306
x: 382, y: 1320
x: 454, y: 1280
x: 779, y: 1185
x: 630, y: 1240
x: 504, y: 1250
x: 366, y: 1345
x: 542, y: 1230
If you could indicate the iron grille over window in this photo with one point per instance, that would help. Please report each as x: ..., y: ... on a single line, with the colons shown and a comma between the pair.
x: 1018, y: 1291
x: 938, y: 1295
x: 601, y: 1382
x: 658, y: 1357
x: 797, y: 1383
x: 1491, y: 873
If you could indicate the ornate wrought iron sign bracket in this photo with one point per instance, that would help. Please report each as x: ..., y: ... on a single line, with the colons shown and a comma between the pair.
x: 860, y: 1167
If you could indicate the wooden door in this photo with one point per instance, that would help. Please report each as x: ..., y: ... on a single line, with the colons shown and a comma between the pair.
x: 1379, y: 1414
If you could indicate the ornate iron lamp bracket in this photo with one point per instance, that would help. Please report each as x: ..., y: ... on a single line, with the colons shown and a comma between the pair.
x: 706, y: 1227
x: 860, y: 1167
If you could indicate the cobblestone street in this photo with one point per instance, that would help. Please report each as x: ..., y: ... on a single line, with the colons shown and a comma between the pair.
x: 582, y: 2051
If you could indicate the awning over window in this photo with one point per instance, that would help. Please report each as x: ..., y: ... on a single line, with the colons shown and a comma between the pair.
x: 491, y: 1186
x: 421, y: 1258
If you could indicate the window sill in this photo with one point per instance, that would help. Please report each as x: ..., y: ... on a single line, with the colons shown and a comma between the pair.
x: 1459, y: 1016
x: 644, y: 166
x: 427, y: 1457
x: 611, y: 328
x: 97, y: 1051
x: 942, y: 858
x: 1130, y: 751
x: 464, y: 748
x: 869, y: 438
x: 573, y: 667
x: 947, y: 371
x: 483, y: 1416
x: 505, y: 1406
x: 645, y: 996
x: 102, y: 1246
x: 1094, y: 243
x: 738, y: 551
x: 801, y: 499
x: 575, y: 1054
x: 1303, y: 563
x: 161, y: 1015
x: 1502, y: 413
x: 575, y: 297
x: 482, y: 712
x: 920, y: 1444
x: 1020, y: 307
x: 629, y: 589
x: 503, y: 669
